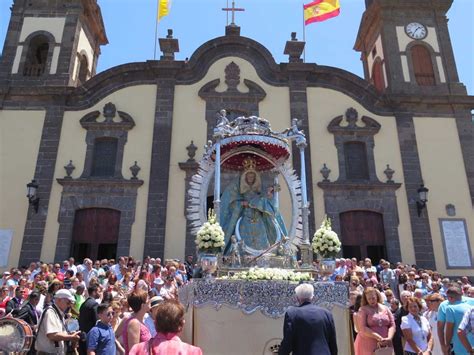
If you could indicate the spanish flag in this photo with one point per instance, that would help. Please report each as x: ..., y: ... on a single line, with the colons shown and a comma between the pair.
x: 163, y: 8
x: 320, y: 10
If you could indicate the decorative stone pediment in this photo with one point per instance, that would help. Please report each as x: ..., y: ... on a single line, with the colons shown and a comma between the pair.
x: 113, y: 120
x: 369, y: 126
x: 232, y: 80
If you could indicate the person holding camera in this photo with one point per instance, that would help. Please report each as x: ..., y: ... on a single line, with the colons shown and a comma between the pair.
x: 52, y: 331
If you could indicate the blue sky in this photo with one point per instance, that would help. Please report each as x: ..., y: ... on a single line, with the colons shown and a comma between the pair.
x: 130, y: 26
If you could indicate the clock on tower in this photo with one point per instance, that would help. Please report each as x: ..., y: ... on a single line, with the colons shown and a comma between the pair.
x: 406, y: 49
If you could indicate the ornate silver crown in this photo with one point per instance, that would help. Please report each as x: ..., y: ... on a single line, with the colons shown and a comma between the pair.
x: 251, y: 125
x: 241, y: 125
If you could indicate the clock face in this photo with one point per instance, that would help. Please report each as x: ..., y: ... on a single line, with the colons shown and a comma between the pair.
x: 416, y: 30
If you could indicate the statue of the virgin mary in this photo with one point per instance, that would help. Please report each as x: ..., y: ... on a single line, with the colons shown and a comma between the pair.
x: 249, y: 214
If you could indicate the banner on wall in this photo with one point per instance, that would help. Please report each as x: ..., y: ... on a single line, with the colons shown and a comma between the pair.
x: 6, y: 236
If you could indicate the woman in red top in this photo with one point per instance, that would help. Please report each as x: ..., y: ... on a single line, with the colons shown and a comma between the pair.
x: 4, y: 298
x: 169, y: 323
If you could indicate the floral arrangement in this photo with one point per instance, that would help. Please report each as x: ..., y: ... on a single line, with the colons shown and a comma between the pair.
x: 210, y: 237
x: 256, y: 273
x: 325, y: 241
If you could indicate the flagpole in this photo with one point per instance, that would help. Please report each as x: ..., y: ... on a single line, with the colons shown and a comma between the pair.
x: 304, y: 37
x: 156, y: 27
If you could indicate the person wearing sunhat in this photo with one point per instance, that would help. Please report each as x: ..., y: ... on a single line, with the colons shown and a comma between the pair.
x: 157, y: 283
x: 150, y: 318
x: 52, y: 332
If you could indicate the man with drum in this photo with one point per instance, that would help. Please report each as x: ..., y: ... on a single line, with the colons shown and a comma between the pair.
x: 52, y: 331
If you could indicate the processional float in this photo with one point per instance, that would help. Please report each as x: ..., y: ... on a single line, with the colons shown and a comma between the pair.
x: 249, y: 143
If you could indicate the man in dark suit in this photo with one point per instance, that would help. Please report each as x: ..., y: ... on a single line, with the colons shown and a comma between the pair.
x: 28, y: 311
x: 29, y: 314
x: 308, y: 329
x: 88, y: 315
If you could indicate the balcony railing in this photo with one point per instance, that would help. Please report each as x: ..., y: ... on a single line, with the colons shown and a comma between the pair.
x: 33, y: 69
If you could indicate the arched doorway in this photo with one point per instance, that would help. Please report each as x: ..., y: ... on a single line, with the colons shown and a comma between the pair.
x: 95, y: 233
x: 363, y: 235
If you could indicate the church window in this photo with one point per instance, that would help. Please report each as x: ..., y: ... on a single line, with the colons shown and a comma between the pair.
x: 422, y: 66
x: 374, y: 52
x: 105, y: 156
x: 355, y: 155
x: 83, y: 69
x: 37, y: 55
x: 377, y: 76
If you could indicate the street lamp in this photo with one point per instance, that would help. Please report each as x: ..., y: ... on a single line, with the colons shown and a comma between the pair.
x: 422, y: 199
x: 31, y: 189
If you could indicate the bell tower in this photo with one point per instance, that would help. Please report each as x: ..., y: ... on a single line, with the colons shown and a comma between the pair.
x: 406, y: 49
x: 52, y: 43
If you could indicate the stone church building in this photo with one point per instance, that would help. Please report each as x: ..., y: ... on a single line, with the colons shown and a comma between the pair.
x: 111, y: 154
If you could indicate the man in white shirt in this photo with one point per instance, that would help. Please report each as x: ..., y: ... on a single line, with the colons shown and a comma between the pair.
x: 89, y: 272
x: 72, y: 265
x: 52, y: 332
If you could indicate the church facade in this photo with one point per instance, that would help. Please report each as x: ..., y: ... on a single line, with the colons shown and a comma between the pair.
x: 112, y: 154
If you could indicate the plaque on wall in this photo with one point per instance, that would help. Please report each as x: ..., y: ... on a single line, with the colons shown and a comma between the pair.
x: 6, y: 236
x: 457, y: 250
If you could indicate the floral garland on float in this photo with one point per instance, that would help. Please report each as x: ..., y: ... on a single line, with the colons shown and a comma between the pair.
x: 326, y: 243
x: 209, y: 242
x: 275, y: 274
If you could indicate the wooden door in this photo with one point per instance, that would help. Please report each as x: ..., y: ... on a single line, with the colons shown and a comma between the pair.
x: 95, y: 233
x: 362, y: 235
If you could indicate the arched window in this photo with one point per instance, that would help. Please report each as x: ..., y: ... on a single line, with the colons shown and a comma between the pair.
x: 422, y: 66
x: 83, y: 69
x: 377, y: 76
x: 37, y: 56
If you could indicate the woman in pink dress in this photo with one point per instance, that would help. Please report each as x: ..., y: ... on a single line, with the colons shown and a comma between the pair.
x: 375, y: 323
x: 134, y: 331
x: 169, y: 323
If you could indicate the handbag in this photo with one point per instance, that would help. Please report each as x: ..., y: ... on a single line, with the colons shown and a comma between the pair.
x: 384, y: 350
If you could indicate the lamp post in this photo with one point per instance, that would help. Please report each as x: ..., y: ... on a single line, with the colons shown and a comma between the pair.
x: 31, y: 189
x: 422, y: 199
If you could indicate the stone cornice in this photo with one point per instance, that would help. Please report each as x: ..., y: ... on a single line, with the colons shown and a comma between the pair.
x: 353, y: 185
x: 95, y: 182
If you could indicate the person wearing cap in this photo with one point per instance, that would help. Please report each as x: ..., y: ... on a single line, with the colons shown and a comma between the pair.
x: 150, y: 317
x: 52, y: 332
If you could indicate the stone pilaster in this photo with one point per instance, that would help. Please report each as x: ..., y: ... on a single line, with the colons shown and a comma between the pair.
x: 159, y: 172
x: 420, y: 226
x: 44, y: 174
x: 466, y: 139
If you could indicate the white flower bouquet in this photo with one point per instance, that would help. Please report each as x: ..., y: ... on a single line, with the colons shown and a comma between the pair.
x: 255, y: 273
x: 210, y: 237
x: 325, y: 241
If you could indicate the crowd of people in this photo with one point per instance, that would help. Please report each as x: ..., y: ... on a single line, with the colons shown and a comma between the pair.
x: 405, y: 310
x: 102, y: 307
x: 129, y: 307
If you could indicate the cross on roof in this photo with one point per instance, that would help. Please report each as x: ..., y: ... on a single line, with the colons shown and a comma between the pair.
x: 233, y: 9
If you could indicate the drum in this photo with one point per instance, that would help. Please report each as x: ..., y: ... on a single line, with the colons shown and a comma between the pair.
x: 15, y: 335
